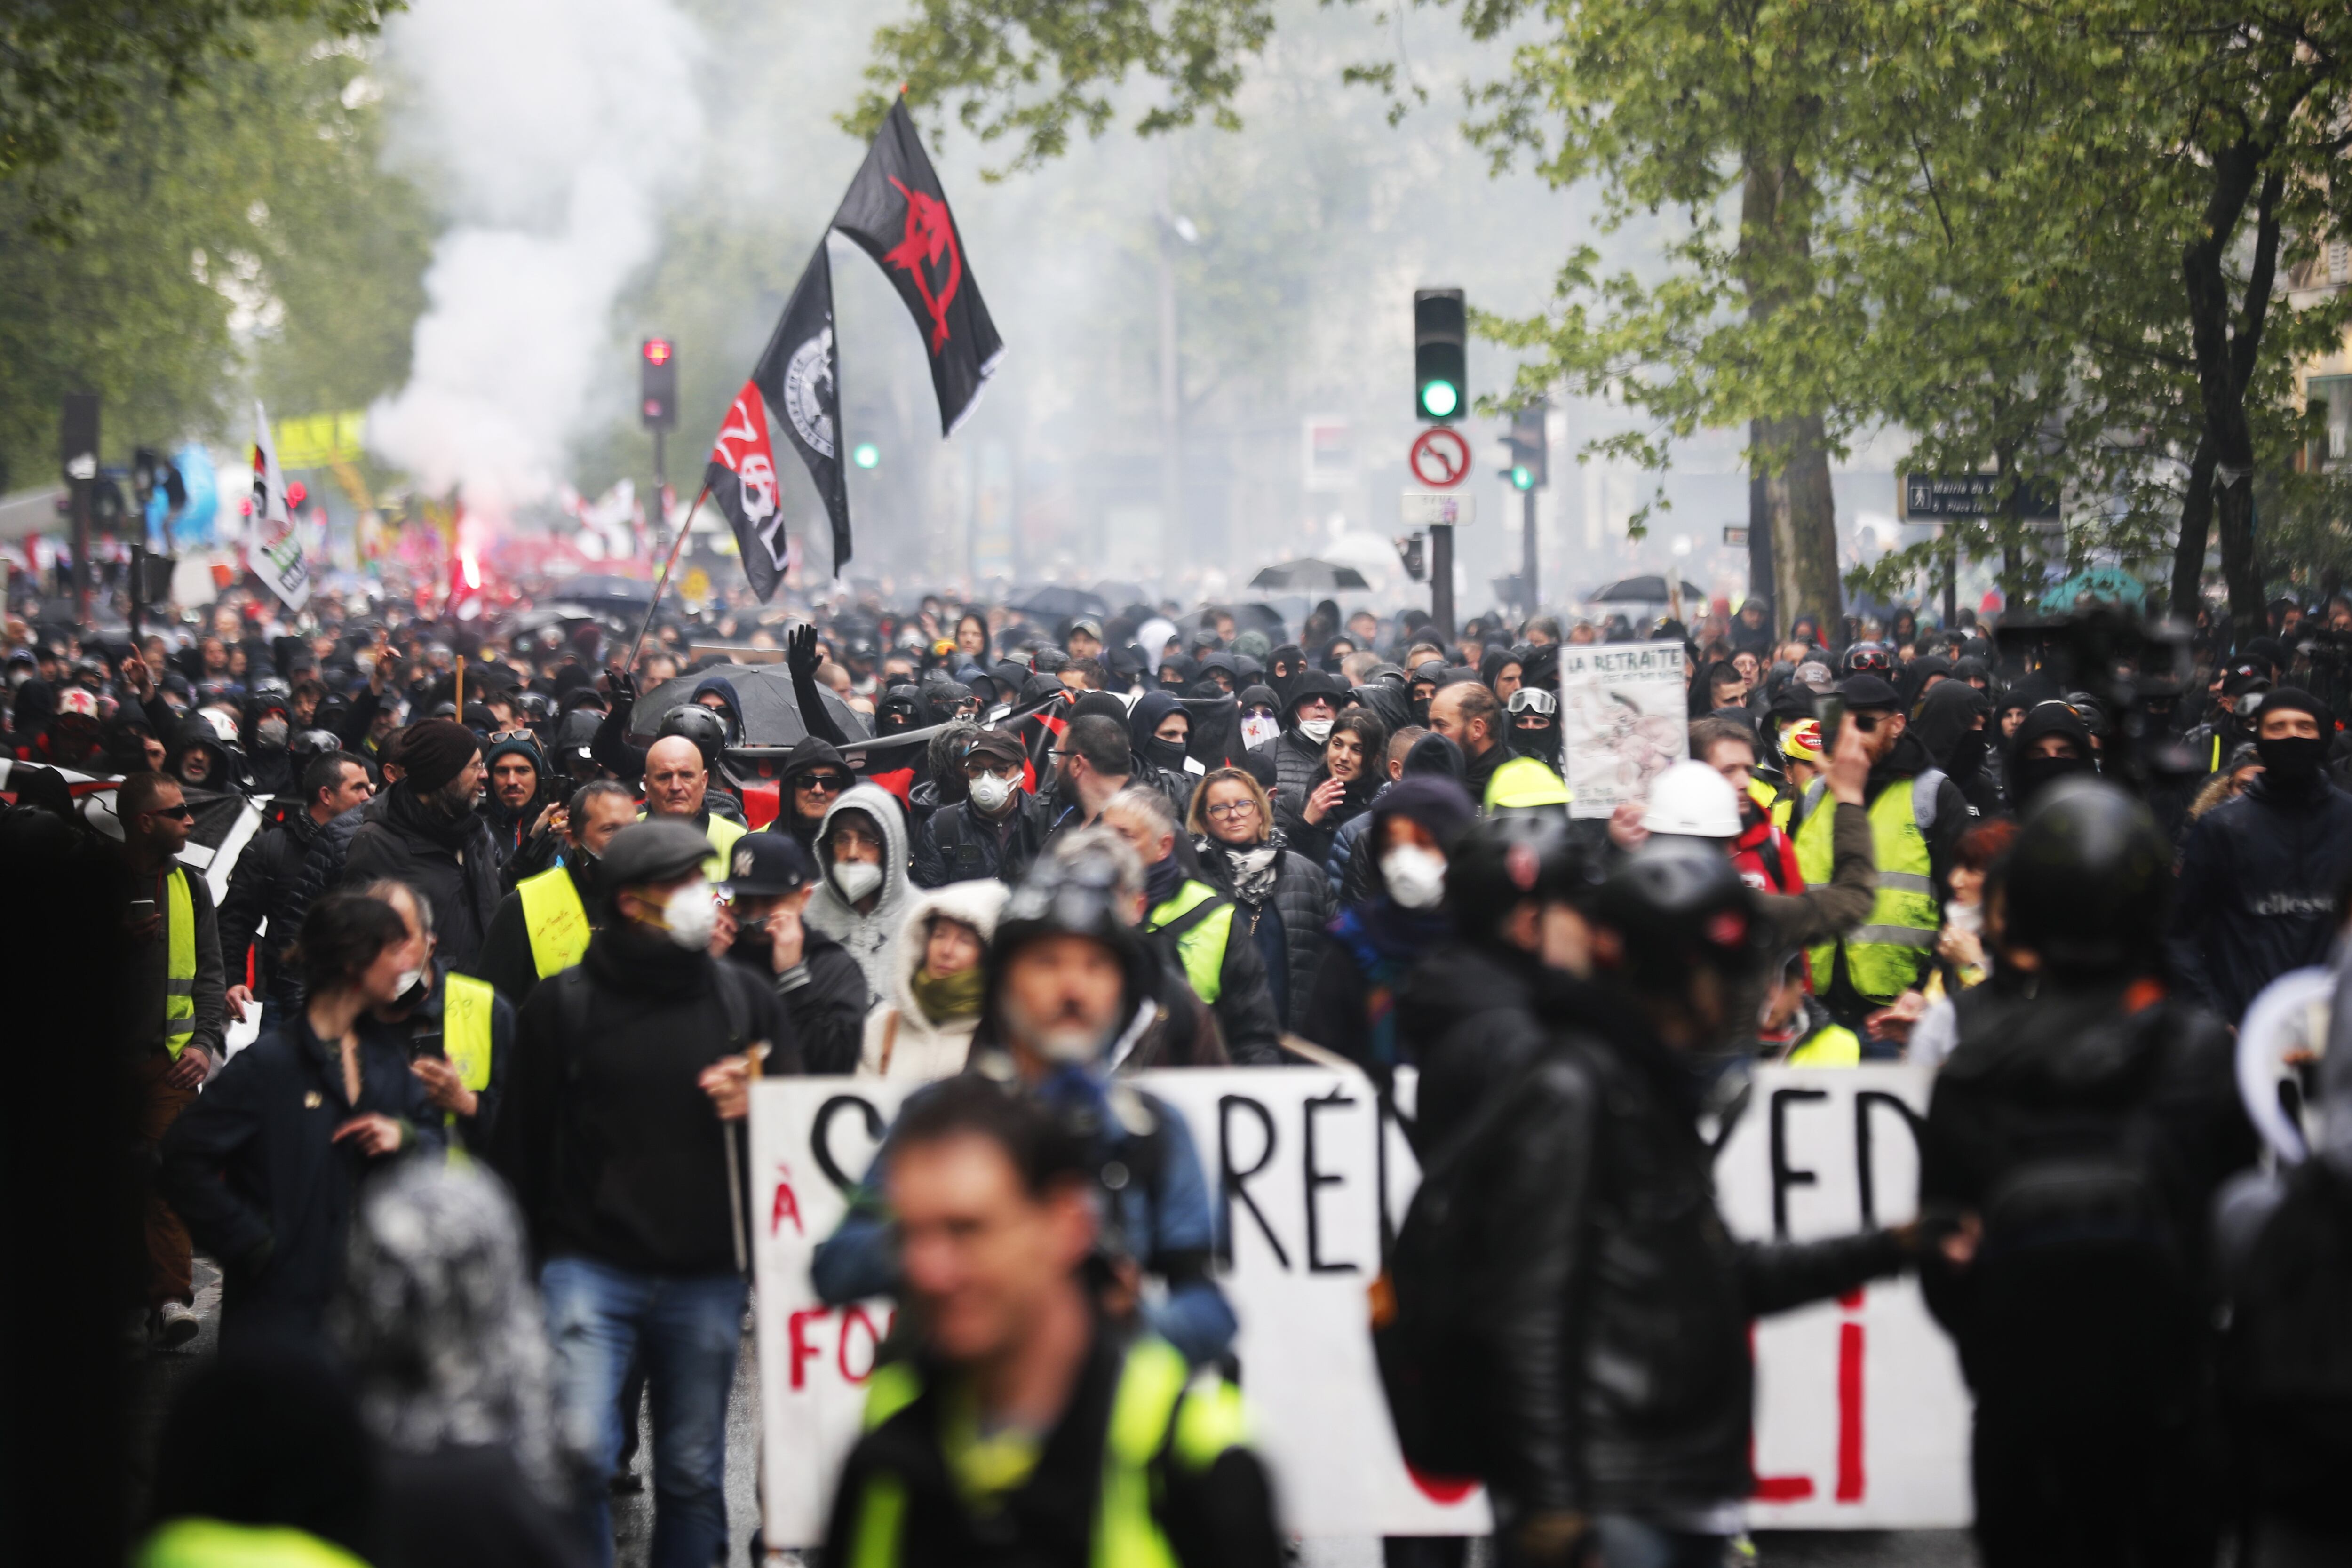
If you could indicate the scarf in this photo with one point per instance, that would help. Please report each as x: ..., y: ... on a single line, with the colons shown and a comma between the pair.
x: 947, y: 997
x: 1253, y: 871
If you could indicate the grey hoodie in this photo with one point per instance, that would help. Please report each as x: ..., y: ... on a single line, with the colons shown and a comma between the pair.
x: 872, y: 939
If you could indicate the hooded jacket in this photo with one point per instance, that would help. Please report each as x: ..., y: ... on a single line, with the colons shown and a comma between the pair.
x: 901, y: 1041
x: 2257, y: 896
x: 1174, y: 780
x: 2022, y: 777
x: 808, y: 752
x: 519, y: 855
x: 262, y: 886
x: 1946, y: 723
x: 1286, y: 764
x: 872, y: 938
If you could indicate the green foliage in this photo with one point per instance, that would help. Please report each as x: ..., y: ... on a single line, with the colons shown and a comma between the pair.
x: 1030, y: 69
x: 245, y: 213
x: 77, y: 69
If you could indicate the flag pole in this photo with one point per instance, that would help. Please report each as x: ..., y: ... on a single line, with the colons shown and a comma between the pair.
x: 663, y: 581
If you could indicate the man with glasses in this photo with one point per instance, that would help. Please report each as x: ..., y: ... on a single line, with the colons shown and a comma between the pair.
x: 814, y: 777
x: 178, y: 1000
x: 1916, y: 818
x: 995, y: 830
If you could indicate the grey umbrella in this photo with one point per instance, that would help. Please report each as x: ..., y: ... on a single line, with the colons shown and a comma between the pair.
x: 1309, y: 576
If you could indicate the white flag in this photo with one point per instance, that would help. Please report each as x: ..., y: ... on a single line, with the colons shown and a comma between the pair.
x: 277, y: 559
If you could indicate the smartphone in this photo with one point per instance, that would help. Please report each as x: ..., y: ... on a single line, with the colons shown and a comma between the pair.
x: 1829, y: 709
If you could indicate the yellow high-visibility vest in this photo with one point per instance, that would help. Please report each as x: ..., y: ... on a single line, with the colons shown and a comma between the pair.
x: 1886, y: 955
x: 722, y: 832
x: 179, y: 962
x: 556, y: 919
x: 1202, y: 949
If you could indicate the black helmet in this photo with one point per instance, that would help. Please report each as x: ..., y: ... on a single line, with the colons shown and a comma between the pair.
x: 1509, y: 857
x: 310, y: 743
x: 575, y: 736
x: 699, y: 724
x: 536, y: 707
x: 1870, y: 658
x: 1675, y: 907
x: 2086, y: 882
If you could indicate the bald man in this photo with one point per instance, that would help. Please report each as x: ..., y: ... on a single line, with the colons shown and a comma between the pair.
x: 677, y: 785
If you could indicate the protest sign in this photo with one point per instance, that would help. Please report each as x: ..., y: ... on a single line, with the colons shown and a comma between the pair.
x: 1623, y: 717
x: 1861, y: 1420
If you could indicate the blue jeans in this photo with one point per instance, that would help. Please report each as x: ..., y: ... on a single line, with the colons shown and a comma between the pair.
x: 687, y: 1330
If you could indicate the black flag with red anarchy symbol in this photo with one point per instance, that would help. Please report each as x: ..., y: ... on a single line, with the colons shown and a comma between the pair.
x: 898, y: 212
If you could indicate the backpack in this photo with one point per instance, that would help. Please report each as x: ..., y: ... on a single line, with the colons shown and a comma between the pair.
x: 2085, y: 1296
x: 2287, y: 1356
x: 1425, y: 1305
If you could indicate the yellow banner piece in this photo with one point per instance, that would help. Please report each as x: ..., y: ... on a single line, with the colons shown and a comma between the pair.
x: 319, y: 441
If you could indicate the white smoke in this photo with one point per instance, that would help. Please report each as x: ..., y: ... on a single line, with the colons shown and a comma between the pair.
x: 554, y: 129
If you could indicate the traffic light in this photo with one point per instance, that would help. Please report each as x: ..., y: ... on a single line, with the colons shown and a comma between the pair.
x: 1530, y: 457
x: 658, y: 385
x: 1440, y: 371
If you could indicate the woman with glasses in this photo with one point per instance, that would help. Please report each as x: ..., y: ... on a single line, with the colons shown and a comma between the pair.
x: 1281, y: 898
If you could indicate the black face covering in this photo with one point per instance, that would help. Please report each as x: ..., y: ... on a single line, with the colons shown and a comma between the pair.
x: 1542, y: 741
x: 2292, y: 762
x: 1163, y: 753
x: 2029, y: 776
x: 1968, y: 755
x: 1421, y: 711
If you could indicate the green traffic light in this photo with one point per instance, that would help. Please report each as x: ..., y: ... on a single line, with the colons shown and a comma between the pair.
x: 1439, y: 399
x: 1522, y: 476
x: 865, y: 454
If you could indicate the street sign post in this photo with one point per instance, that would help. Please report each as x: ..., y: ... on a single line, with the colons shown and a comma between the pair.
x: 1735, y: 535
x: 1930, y: 496
x: 1439, y: 458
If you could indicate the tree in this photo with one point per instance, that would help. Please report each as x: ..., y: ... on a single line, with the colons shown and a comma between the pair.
x: 244, y: 215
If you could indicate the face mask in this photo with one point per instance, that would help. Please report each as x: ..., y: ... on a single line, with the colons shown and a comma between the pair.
x: 409, y: 981
x: 270, y: 732
x: 990, y: 793
x: 1258, y: 729
x: 1163, y: 753
x: 856, y: 879
x: 1416, y: 876
x: 2031, y: 775
x: 690, y: 916
x: 1316, y: 730
x: 2293, y: 761
x: 1421, y: 711
x: 1966, y: 919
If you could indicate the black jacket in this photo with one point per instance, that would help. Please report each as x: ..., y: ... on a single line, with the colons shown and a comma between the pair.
x: 1467, y: 1014
x: 1244, y: 1005
x: 1293, y: 916
x: 451, y: 861
x: 1616, y: 1323
x: 322, y: 872
x: 823, y: 995
x: 2259, y: 879
x: 253, y: 1168
x: 959, y: 845
x: 2073, y: 1073
x: 612, y: 1151
x: 262, y: 887
x: 1286, y: 766
x: 506, y: 960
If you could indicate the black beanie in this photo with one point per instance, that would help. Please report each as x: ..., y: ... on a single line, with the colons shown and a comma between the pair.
x: 2295, y: 699
x: 436, y: 750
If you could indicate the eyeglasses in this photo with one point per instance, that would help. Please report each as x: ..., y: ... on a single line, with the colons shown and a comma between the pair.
x: 1232, y: 809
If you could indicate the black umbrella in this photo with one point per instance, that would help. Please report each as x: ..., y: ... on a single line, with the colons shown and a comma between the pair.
x: 602, y: 591
x: 1309, y: 576
x: 1263, y: 618
x: 772, y: 711
x: 1059, y: 602
x: 1649, y: 590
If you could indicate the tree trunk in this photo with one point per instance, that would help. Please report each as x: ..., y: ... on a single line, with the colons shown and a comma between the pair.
x: 1804, y: 520
x: 2196, y: 525
x: 1792, y: 451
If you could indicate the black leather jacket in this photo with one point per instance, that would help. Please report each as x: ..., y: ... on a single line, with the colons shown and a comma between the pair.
x: 1616, y: 1333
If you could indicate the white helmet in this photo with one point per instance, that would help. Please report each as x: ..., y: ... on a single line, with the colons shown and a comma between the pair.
x: 1692, y: 800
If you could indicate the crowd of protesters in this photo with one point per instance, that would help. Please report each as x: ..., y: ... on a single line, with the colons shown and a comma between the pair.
x: 523, y: 919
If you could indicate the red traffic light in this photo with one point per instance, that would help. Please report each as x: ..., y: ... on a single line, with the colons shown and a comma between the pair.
x: 658, y: 351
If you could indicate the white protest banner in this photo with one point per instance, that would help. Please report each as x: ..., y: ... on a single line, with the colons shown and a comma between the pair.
x: 1624, y: 716
x: 276, y: 559
x: 1860, y: 1421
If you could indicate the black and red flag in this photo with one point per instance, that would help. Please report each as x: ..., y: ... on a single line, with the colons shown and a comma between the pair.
x: 898, y: 212
x: 797, y: 379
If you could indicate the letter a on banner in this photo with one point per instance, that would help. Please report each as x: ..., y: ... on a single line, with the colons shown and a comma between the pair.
x: 277, y: 559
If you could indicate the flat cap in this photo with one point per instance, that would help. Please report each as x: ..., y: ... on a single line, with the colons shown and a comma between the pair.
x: 654, y: 850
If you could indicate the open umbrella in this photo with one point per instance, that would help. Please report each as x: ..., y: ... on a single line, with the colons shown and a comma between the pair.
x: 1059, y: 602
x: 772, y: 711
x: 602, y: 591
x: 1650, y: 590
x: 1309, y: 576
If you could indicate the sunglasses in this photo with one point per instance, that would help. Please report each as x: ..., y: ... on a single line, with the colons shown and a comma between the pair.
x: 1866, y: 722
x: 823, y: 784
x: 180, y: 811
